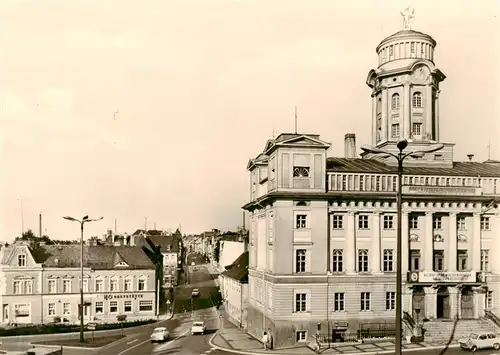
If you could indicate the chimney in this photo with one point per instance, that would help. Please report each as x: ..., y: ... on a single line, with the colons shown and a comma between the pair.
x: 350, y: 146
x: 470, y: 156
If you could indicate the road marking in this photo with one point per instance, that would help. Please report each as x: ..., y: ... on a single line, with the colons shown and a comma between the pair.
x: 133, y: 347
x: 133, y: 341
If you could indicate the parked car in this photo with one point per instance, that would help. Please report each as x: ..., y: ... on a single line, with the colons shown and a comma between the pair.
x: 198, y: 328
x: 159, y: 334
x: 480, y: 341
x: 195, y: 292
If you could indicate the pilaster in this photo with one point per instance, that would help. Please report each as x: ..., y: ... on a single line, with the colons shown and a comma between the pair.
x: 385, y: 135
x: 405, y: 243
x: 479, y: 302
x: 428, y: 250
x: 428, y: 111
x: 454, y: 301
x: 475, y: 246
x: 430, y: 302
x: 407, y: 298
x: 406, y: 111
x: 436, y: 116
x: 350, y: 239
x: 452, y: 243
x: 374, y: 120
x: 375, y: 264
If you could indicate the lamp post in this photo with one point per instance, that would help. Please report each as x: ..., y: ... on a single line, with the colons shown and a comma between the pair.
x: 400, y: 156
x: 82, y: 222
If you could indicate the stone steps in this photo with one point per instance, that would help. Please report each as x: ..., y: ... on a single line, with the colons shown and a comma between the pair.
x: 446, y: 330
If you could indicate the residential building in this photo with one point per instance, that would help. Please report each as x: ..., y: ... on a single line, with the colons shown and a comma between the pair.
x: 322, y: 245
x: 234, y: 290
x: 171, y: 248
x: 41, y: 284
x: 229, y: 251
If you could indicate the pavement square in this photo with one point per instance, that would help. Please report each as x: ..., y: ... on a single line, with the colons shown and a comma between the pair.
x: 367, y: 347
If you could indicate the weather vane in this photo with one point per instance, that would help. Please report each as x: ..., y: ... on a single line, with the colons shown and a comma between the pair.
x: 408, y: 16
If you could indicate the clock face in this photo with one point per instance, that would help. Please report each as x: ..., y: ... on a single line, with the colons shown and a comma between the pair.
x: 414, y: 276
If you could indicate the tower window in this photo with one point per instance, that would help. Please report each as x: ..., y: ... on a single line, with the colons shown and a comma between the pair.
x: 417, y: 129
x: 391, y: 51
x: 417, y: 100
x: 395, y: 102
x: 395, y: 130
x: 413, y: 47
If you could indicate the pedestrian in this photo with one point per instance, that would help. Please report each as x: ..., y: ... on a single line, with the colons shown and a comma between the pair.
x: 265, y: 340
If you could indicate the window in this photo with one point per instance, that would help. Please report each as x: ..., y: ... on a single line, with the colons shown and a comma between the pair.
x: 461, y: 223
x: 27, y: 287
x: 127, y: 306
x: 127, y: 285
x: 52, y: 309
x: 395, y: 102
x: 361, y: 183
x: 363, y: 260
x: 462, y: 260
x: 417, y: 129
x: 413, y: 222
x: 489, y: 299
x: 412, y: 47
x: 300, y: 260
x: 485, y: 259
x: 66, y: 308
x: 300, y: 302
x: 301, y: 336
x: 388, y: 222
x: 113, y: 307
x: 438, y: 260
x: 365, y: 301
x: 99, y: 285
x: 417, y: 100
x: 85, y: 285
x: 363, y: 222
x: 17, y: 287
x: 390, y: 301
x: 113, y: 285
x: 52, y: 286
x: 66, y: 286
x: 300, y: 171
x: 99, y: 308
x: 300, y: 221
x: 21, y: 260
x: 415, y: 260
x: 391, y: 51
x: 339, y: 304
x: 395, y: 130
x: 338, y: 221
x: 388, y: 260
x: 141, y: 286
x: 437, y: 222
x: 338, y: 265
x: 485, y: 223
x: 145, y: 306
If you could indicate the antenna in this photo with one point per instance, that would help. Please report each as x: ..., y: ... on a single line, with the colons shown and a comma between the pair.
x: 489, y: 149
x: 145, y: 224
x: 115, y: 227
x: 295, y: 119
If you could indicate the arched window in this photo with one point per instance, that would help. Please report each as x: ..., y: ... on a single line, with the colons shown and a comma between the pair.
x: 417, y: 100
x: 395, y: 102
x: 338, y: 261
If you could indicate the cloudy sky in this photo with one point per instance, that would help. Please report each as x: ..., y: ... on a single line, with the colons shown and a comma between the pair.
x: 199, y: 86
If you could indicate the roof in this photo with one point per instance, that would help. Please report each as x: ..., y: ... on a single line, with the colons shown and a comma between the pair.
x: 403, y: 34
x: 164, y: 241
x: 103, y: 257
x: 358, y: 165
x: 238, y: 270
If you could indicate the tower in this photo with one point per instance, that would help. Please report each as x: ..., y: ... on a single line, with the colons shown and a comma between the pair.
x: 405, y: 92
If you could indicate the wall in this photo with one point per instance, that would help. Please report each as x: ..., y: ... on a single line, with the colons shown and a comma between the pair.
x: 229, y: 252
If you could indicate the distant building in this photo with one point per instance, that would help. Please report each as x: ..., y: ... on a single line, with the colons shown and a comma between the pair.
x: 41, y: 284
x: 171, y: 249
x: 229, y: 252
x: 234, y: 289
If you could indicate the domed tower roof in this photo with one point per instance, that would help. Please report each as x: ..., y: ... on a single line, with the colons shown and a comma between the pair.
x: 407, y: 35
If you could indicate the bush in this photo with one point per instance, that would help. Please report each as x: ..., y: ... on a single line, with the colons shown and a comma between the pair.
x: 66, y: 328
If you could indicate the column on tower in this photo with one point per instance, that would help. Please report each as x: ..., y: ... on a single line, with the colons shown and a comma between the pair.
x: 428, y: 112
x: 405, y: 244
x: 374, y: 119
x: 428, y: 252
x: 452, y: 243
x: 406, y: 110
x: 376, y: 243
x: 475, y: 248
x: 350, y: 240
x: 385, y: 135
x: 436, y: 116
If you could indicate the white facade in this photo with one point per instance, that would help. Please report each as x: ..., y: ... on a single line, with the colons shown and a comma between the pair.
x: 229, y: 252
x: 235, y: 295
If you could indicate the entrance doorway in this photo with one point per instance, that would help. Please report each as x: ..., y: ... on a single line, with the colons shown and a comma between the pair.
x: 418, y: 303
x: 443, y: 303
x: 467, y: 303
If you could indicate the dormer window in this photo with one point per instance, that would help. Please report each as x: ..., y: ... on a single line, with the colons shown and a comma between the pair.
x: 21, y: 260
x: 417, y: 100
x: 301, y: 171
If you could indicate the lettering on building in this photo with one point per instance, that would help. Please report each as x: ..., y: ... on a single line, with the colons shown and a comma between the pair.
x: 120, y: 296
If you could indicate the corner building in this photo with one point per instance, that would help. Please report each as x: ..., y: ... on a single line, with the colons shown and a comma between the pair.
x: 323, y: 230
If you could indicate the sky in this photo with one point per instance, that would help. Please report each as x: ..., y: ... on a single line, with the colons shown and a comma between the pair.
x: 151, y: 109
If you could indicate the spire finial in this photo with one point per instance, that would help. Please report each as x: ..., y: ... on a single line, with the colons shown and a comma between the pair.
x: 489, y: 150
x: 408, y: 15
x: 295, y: 119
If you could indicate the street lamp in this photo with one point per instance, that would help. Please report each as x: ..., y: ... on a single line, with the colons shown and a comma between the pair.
x: 82, y: 222
x: 400, y: 156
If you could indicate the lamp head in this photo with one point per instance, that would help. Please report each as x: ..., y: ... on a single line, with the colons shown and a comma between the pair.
x: 70, y: 218
x: 402, y: 144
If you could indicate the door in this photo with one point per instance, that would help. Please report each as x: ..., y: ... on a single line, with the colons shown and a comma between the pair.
x: 446, y: 306
x: 467, y: 304
x: 440, y: 308
x: 5, y: 313
x: 86, y: 313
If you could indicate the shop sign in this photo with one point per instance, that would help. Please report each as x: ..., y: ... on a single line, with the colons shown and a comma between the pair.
x: 123, y: 296
x: 442, y: 190
x: 456, y: 276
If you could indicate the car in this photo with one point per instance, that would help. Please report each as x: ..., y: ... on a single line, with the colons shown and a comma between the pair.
x: 159, y: 334
x: 198, y: 327
x: 195, y: 292
x: 477, y: 341
x: 193, y: 263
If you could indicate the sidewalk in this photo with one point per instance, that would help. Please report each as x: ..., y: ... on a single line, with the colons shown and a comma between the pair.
x: 233, y: 339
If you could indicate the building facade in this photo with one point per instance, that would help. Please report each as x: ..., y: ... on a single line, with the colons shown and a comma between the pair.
x: 41, y: 284
x: 234, y: 289
x: 323, y: 230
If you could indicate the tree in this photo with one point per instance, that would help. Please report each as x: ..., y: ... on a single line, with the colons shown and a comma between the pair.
x: 31, y: 237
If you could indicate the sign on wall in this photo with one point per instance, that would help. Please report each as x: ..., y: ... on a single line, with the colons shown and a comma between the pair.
x: 442, y: 190
x: 123, y: 296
